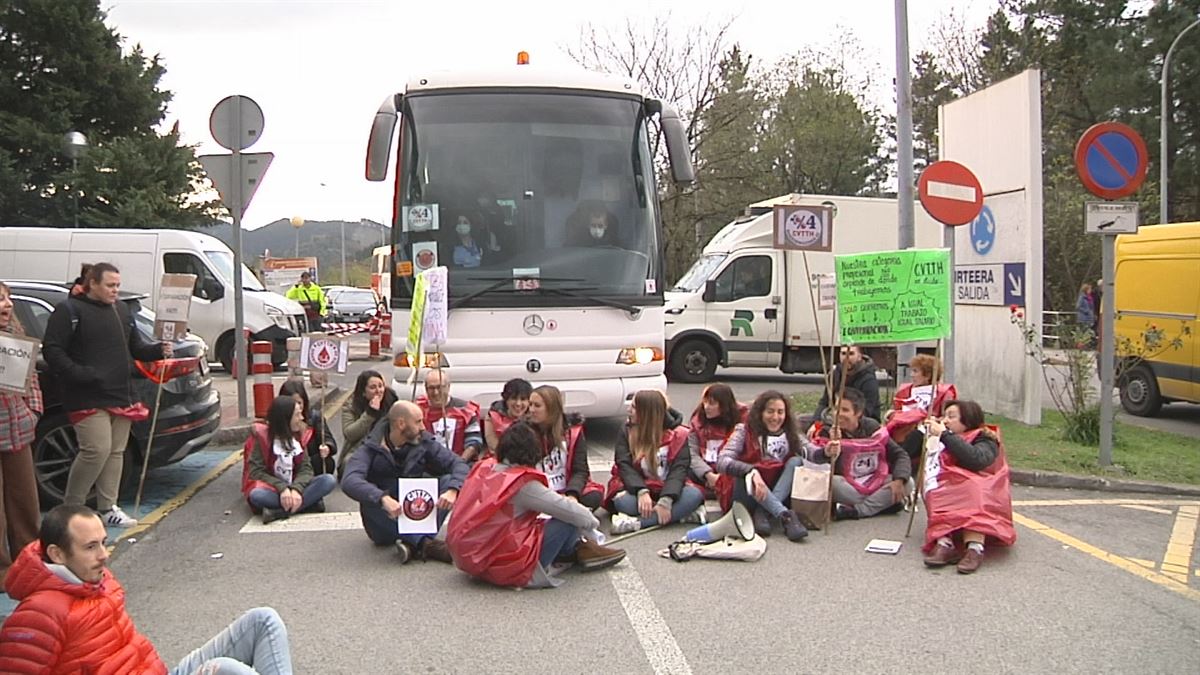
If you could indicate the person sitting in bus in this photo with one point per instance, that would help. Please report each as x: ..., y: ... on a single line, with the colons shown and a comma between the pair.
x: 649, y: 483
x: 277, y: 478
x: 760, y: 456
x: 564, y: 448
x: 712, y: 421
x: 321, y: 447
x: 593, y: 225
x: 467, y: 252
x: 511, y: 407
x: 453, y: 420
x: 366, y: 409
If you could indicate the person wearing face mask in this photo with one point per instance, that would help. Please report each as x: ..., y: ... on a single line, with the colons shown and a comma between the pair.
x: 509, y: 409
x: 467, y: 252
x: 596, y: 227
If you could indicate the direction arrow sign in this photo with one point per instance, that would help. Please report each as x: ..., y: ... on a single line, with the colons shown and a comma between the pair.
x: 1110, y: 217
x: 1111, y: 160
x: 950, y: 193
x: 219, y: 170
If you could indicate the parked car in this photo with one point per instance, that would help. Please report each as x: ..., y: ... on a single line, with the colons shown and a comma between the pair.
x: 190, y: 407
x: 351, y: 305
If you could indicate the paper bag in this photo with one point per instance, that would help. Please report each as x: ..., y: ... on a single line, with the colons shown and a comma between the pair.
x: 418, y: 502
x: 810, y: 494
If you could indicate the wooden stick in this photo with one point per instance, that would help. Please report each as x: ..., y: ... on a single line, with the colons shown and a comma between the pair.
x: 137, y: 502
x: 817, y: 327
x: 835, y: 434
x: 918, y: 487
x: 629, y: 535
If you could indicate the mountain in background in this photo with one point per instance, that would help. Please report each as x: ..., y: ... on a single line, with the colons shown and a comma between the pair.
x: 322, y: 239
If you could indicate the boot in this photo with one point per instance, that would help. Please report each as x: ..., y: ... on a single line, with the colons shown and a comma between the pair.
x: 791, y: 526
x: 762, y: 522
x: 272, y: 515
x: 433, y: 549
x: 592, y: 556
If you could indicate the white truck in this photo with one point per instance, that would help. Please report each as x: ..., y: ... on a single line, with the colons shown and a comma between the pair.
x: 744, y: 303
x: 537, y: 189
x: 143, y: 256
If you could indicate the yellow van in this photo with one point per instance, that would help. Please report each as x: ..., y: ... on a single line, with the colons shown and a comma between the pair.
x: 1157, y: 286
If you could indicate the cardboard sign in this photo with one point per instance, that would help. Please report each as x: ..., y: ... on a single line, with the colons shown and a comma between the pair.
x: 320, y: 352
x: 174, y: 304
x: 418, y: 506
x: 18, y: 358
x: 893, y: 296
x: 280, y: 274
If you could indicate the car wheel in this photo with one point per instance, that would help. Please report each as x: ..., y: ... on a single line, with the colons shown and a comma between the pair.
x: 1139, y: 392
x: 54, y: 451
x: 693, y: 361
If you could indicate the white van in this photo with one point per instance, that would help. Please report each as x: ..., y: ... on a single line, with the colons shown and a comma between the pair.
x: 143, y: 256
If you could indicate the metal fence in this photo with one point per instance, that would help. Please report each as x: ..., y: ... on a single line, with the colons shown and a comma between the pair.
x: 1052, y: 325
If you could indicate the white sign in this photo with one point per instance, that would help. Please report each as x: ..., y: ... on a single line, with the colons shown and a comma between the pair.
x: 418, y: 506
x: 424, y: 255
x: 803, y: 228
x: 18, y: 356
x: 434, y: 331
x: 979, y: 284
x: 827, y: 291
x: 318, y: 352
x: 419, y: 218
x: 174, y: 304
x: 1110, y: 217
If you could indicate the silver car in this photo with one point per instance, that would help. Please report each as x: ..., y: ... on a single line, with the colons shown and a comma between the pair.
x: 350, y: 305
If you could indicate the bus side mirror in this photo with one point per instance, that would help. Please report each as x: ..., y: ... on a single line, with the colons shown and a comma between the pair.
x: 710, y: 291
x: 678, y: 150
x: 379, y: 145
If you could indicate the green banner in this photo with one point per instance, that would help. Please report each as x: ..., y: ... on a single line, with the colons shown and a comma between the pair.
x: 893, y: 296
x: 416, y: 321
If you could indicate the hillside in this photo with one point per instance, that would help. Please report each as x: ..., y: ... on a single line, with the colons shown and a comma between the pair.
x: 322, y: 239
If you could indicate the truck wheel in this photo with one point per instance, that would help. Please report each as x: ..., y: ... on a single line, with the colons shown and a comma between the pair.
x: 225, y: 352
x: 1139, y: 392
x: 693, y: 361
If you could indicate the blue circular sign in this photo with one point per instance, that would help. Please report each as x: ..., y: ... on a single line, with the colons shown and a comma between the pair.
x: 983, y: 231
x: 1111, y: 160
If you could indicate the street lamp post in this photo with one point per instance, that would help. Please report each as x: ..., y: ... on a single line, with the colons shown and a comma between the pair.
x: 75, y: 145
x: 297, y: 222
x: 1163, y: 207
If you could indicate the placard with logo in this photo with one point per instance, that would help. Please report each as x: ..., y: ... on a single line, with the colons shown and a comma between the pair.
x: 18, y: 358
x: 174, y: 304
x: 418, y: 506
x: 803, y: 228
x: 320, y: 352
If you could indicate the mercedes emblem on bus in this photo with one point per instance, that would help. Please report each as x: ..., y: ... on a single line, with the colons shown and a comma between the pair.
x: 534, y: 324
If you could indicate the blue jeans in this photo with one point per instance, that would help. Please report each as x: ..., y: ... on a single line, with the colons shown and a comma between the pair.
x: 318, y: 489
x: 256, y: 643
x: 558, y: 539
x: 382, y: 530
x: 780, y: 494
x: 689, y: 500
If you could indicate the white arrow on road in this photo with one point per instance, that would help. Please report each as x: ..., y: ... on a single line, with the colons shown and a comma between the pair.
x: 1015, y: 283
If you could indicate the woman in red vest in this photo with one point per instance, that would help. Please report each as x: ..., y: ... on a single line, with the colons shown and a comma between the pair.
x: 763, y: 452
x: 967, y: 490
x: 916, y: 400
x: 564, y: 448
x: 496, y: 533
x: 649, y: 477
x: 510, y: 408
x: 276, y: 474
x: 712, y: 421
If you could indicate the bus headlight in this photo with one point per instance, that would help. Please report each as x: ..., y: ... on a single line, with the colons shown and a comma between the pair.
x: 432, y: 360
x: 639, y: 355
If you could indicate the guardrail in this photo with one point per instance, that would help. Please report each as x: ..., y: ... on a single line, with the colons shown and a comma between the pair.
x: 1052, y: 323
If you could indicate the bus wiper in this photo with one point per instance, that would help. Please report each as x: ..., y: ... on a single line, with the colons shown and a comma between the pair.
x: 634, y: 311
x: 499, y: 283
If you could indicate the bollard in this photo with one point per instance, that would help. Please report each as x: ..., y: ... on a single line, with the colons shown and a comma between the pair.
x: 374, y: 353
x: 261, y: 368
x: 293, y: 350
x: 385, y: 333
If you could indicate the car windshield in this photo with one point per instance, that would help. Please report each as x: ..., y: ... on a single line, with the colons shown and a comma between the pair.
x: 500, y: 186
x: 356, y: 298
x: 223, y: 261
x: 699, y: 273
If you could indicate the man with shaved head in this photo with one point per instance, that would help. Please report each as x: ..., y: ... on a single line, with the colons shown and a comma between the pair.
x: 453, y: 420
x: 405, y: 450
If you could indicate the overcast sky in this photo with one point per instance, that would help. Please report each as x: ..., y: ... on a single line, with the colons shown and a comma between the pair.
x: 320, y: 69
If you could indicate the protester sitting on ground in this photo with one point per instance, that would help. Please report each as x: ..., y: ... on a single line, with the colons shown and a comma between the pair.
x: 367, y: 407
x: 649, y: 483
x: 72, y: 618
x: 564, y: 448
x: 511, y: 407
x: 914, y: 401
x: 406, y: 450
x: 19, y: 413
x: 498, y: 533
x: 871, y: 472
x: 277, y: 478
x: 712, y: 421
x: 763, y: 452
x: 320, y: 447
x: 967, y: 490
x: 453, y: 420
x: 861, y: 377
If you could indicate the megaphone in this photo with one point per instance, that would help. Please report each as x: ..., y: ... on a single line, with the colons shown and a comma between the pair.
x: 735, y: 523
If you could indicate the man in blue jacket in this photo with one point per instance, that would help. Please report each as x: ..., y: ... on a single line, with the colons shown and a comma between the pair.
x: 403, y: 450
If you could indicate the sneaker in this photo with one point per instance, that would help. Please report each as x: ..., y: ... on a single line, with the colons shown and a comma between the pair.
x: 762, y: 523
x: 699, y: 516
x: 624, y: 524
x: 115, y: 517
x: 593, y: 556
x: 405, y: 551
x: 845, y: 512
x: 435, y: 549
x: 792, y: 527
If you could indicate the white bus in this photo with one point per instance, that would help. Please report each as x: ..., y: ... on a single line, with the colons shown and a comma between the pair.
x: 560, y: 277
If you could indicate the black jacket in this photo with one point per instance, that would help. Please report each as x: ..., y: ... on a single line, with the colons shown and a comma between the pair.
x: 87, y: 345
x: 862, y: 377
x: 374, y: 467
x: 632, y: 476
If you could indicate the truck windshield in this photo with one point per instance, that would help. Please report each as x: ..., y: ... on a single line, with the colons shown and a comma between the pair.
x: 701, y: 270
x: 502, y: 187
x: 223, y: 262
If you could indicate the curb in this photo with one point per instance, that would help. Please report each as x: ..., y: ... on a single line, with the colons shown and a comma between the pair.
x: 235, y: 434
x: 1050, y: 479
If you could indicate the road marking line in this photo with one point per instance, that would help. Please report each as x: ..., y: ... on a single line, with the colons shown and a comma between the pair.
x: 306, y: 522
x: 1122, y: 563
x: 1178, y: 559
x: 1141, y: 507
x: 652, y: 632
x: 1106, y: 502
x: 962, y: 193
x: 1148, y: 564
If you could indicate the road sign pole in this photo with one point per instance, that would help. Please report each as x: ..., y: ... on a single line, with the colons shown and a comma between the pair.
x: 904, y: 159
x: 239, y: 317
x: 948, y: 342
x: 1107, y: 343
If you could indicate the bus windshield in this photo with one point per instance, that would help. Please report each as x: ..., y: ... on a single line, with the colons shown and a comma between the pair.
x: 505, y: 187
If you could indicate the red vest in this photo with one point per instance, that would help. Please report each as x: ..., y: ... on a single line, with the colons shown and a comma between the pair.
x: 458, y: 418
x: 673, y: 440
x: 484, y: 538
x: 863, y: 461
x: 257, y: 442
x: 751, y: 453
x: 500, y: 422
x: 710, y: 434
x: 902, y: 422
x: 573, y: 433
x: 959, y: 499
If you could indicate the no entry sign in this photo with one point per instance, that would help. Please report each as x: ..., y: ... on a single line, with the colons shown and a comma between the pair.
x: 950, y: 193
x: 1111, y: 160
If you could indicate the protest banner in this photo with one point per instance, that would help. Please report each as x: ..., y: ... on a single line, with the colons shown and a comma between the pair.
x: 893, y: 296
x: 418, y: 506
x: 18, y: 358
x: 174, y: 304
